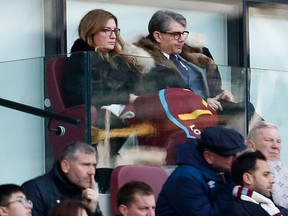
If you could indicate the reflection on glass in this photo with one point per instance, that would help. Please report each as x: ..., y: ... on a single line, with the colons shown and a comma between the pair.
x: 163, y: 112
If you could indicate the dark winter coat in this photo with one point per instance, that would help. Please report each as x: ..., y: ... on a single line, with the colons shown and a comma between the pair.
x: 198, y: 58
x: 193, y: 188
x: 50, y: 189
x: 244, y: 208
x: 112, y: 79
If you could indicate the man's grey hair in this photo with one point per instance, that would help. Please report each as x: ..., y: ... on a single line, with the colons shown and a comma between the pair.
x: 69, y: 151
x: 262, y: 124
x: 162, y: 19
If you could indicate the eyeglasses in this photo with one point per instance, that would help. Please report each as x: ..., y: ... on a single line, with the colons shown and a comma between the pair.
x: 26, y: 203
x: 109, y: 31
x: 177, y: 35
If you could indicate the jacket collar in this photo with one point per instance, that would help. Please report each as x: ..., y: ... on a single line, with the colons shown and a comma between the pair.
x: 63, y: 182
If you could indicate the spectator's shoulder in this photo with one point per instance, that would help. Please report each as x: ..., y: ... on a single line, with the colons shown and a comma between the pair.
x: 40, y: 181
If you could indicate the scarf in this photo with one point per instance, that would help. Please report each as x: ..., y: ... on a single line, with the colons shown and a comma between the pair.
x: 246, y: 194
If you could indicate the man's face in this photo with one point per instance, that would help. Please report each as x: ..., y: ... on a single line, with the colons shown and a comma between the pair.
x: 79, y: 170
x: 17, y: 206
x: 167, y: 42
x: 268, y: 141
x: 262, y: 179
x: 219, y: 162
x: 143, y: 205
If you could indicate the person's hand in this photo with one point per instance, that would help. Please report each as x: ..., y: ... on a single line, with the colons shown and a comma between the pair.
x: 90, y: 195
x: 214, y: 103
x: 225, y: 95
x: 132, y: 97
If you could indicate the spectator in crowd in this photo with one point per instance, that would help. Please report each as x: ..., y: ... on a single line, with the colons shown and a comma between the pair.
x: 201, y: 184
x: 70, y: 208
x: 252, y: 192
x: 166, y: 45
x: 169, y: 44
x: 265, y: 137
x: 13, y: 201
x: 113, y: 76
x: 72, y: 177
x: 136, y: 198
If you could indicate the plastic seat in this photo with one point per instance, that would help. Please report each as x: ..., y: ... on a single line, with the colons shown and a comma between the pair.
x: 151, y: 175
x: 54, y: 74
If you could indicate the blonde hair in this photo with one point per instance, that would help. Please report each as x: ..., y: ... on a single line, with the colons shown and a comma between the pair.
x: 92, y: 23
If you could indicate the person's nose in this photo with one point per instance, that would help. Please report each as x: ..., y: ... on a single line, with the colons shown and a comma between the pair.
x: 151, y: 212
x: 181, y: 39
x: 275, y: 144
x: 91, y: 170
x: 272, y: 179
x: 113, y: 35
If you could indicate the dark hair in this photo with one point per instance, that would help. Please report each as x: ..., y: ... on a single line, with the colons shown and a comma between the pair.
x: 125, y: 195
x: 245, y: 163
x: 70, y: 150
x: 6, y: 190
x: 69, y: 208
x: 162, y: 19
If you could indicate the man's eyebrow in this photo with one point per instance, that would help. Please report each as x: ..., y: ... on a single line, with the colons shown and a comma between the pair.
x: 20, y: 196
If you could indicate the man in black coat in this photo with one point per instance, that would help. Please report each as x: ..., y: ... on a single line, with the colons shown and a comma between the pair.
x: 252, y: 193
x: 72, y: 177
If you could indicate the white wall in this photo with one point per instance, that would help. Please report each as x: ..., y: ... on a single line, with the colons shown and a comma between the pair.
x: 269, y: 51
x: 134, y: 20
x: 21, y: 135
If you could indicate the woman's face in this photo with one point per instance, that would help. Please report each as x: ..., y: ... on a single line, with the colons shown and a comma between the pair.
x: 106, y: 39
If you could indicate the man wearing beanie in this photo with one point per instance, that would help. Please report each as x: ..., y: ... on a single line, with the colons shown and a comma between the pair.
x: 201, y: 184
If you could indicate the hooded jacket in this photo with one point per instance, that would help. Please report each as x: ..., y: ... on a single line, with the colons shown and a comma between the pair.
x: 194, y: 188
x: 50, y: 189
x: 194, y: 53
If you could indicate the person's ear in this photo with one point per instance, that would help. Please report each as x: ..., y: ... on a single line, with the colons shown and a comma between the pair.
x: 65, y: 166
x: 157, y: 36
x: 123, y: 210
x: 247, y: 179
x: 208, y: 157
x: 3, y: 211
x: 251, y: 144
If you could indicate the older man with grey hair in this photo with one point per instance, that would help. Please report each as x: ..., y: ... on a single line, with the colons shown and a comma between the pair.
x: 168, y: 44
x: 72, y: 177
x: 265, y: 137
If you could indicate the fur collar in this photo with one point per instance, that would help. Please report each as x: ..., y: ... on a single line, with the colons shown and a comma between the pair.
x: 80, y: 46
x: 149, y: 53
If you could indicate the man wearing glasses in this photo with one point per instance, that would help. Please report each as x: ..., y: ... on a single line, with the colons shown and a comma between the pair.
x: 13, y: 201
x: 166, y: 45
